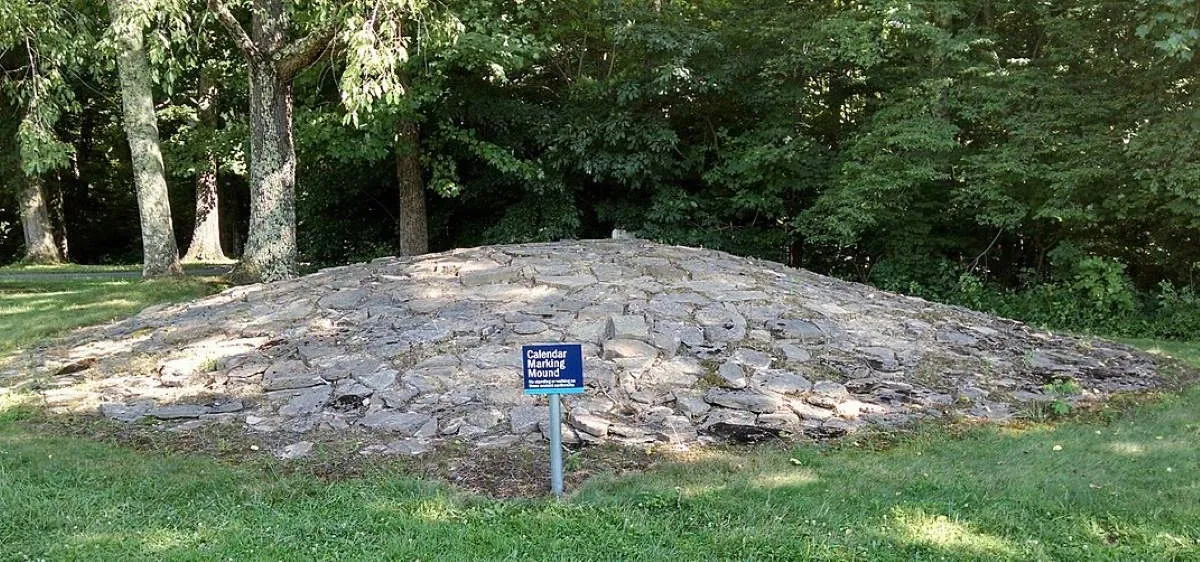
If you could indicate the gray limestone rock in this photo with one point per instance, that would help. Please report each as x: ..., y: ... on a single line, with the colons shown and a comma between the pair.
x: 124, y: 412
x: 404, y: 423
x: 628, y: 349
x: 178, y: 411
x: 744, y: 400
x: 879, y: 358
x: 782, y: 420
x: 732, y: 375
x: 594, y: 425
x: 782, y: 382
x: 524, y: 419
x: 803, y: 330
x: 678, y: 429
x: 295, y: 451
x: 529, y: 328
x: 287, y: 375
x: 751, y: 358
x: 691, y: 403
x: 309, y: 402
x: 630, y: 327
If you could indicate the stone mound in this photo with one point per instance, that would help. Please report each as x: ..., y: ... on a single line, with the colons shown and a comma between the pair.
x: 681, y: 345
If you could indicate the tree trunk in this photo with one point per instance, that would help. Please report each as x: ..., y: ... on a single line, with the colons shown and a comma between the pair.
x: 206, y: 232
x: 40, y: 247
x: 413, y: 226
x: 271, y: 247
x: 160, y: 256
x: 58, y: 219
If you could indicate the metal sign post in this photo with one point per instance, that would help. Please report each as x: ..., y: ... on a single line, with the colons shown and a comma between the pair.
x: 554, y: 370
x: 556, y: 468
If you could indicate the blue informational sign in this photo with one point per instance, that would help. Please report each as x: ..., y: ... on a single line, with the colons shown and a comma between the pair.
x: 552, y: 368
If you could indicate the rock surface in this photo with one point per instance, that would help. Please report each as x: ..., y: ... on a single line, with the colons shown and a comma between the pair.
x: 681, y: 345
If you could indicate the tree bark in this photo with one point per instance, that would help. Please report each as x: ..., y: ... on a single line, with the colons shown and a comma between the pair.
x: 206, y: 232
x: 271, y: 246
x: 160, y: 255
x: 413, y: 224
x: 271, y: 252
x: 40, y: 247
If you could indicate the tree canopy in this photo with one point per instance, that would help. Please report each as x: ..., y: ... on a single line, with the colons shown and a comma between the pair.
x: 903, y: 143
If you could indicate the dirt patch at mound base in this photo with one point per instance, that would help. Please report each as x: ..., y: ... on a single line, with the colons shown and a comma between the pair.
x: 682, y: 345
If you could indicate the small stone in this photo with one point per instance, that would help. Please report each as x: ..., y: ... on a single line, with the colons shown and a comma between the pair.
x: 781, y: 420
x: 227, y: 407
x: 429, y: 429
x: 309, y: 402
x: 343, y: 300
x: 678, y: 429
x: 836, y: 391
x: 568, y: 282
x: 295, y: 451
x: 831, y: 429
x: 405, y: 423
x: 744, y: 400
x: 409, y: 447
x: 732, y: 375
x: 808, y: 411
x: 879, y: 358
x: 729, y: 417
x: 751, y: 358
x: 628, y: 349
x: 124, y: 412
x: 691, y: 404
x: 594, y: 425
x: 567, y: 433
x: 797, y: 329
x: 652, y: 397
x: 529, y: 328
x: 794, y: 353
x: 485, y: 419
x: 379, y: 380
x: 178, y: 411
x: 630, y: 327
x: 624, y: 430
x: 524, y: 419
x: 783, y: 382
x: 494, y: 276
x: 498, y: 441
x: 287, y: 375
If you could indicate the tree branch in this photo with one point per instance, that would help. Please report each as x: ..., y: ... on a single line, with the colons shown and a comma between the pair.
x: 240, y: 38
x: 304, y: 51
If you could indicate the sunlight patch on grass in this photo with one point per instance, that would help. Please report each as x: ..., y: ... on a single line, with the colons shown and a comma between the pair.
x: 944, y: 533
x: 789, y: 479
x: 1128, y: 448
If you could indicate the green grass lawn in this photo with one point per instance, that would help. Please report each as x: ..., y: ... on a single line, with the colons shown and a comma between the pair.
x: 1128, y: 489
x: 1124, y: 486
x: 34, y: 310
x: 97, y: 269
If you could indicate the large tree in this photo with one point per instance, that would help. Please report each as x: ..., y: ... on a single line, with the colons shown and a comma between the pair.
x: 206, y: 232
x: 160, y: 255
x: 272, y: 61
x: 40, y: 43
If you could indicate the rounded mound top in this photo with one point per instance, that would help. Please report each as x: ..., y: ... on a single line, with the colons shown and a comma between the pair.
x: 680, y: 344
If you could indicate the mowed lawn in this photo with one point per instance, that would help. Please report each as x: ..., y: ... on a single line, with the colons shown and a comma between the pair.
x: 31, y: 310
x: 1125, y: 488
